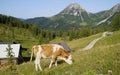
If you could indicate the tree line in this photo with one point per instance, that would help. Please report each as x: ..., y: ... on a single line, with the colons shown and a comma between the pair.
x: 115, y: 24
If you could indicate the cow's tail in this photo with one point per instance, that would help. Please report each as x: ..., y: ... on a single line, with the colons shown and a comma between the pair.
x: 31, y: 54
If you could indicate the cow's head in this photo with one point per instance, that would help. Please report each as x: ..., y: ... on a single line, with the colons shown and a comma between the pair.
x: 66, y: 57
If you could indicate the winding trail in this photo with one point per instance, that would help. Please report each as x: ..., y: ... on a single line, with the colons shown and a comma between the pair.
x: 91, y: 44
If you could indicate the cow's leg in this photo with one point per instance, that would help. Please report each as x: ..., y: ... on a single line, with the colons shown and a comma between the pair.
x: 36, y: 66
x: 51, y: 63
x: 37, y: 63
x: 56, y: 63
x: 53, y: 60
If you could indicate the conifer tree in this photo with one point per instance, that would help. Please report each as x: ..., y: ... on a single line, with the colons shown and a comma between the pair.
x: 10, y: 56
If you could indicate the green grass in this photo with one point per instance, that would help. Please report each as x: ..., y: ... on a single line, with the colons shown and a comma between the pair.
x: 82, y: 42
x: 104, y: 57
x: 110, y: 40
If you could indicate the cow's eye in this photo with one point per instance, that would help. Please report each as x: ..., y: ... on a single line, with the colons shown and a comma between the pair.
x: 66, y: 57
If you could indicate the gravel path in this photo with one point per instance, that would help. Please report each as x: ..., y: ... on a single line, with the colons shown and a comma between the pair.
x: 91, y: 44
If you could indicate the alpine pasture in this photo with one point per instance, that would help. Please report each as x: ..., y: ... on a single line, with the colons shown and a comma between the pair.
x: 102, y: 59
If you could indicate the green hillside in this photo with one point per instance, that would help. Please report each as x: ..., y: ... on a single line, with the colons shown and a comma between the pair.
x: 101, y: 59
x: 18, y: 35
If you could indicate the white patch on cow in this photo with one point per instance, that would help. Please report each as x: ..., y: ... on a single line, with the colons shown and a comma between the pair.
x: 70, y: 57
x: 39, y: 49
x: 43, y: 56
x: 56, y: 47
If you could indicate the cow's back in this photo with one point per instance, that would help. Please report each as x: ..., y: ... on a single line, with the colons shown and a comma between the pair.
x: 47, y: 50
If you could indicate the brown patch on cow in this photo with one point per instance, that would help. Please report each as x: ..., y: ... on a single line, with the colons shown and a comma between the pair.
x: 47, y: 50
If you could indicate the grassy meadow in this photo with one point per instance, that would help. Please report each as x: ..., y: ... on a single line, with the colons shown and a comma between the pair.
x: 102, y: 59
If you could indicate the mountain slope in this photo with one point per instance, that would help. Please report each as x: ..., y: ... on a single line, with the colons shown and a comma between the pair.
x: 108, y: 15
x: 74, y: 16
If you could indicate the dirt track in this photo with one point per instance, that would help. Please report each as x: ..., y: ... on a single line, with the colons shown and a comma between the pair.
x: 91, y: 44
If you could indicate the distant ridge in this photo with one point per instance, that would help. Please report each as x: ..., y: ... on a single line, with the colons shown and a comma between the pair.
x: 74, y: 16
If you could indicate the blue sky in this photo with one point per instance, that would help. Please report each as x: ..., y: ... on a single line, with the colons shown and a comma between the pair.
x: 39, y: 8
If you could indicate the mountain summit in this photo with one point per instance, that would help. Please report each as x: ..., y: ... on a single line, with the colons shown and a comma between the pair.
x: 76, y: 10
x: 73, y: 9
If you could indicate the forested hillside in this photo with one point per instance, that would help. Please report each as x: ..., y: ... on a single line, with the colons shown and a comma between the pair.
x: 44, y: 36
x: 115, y: 25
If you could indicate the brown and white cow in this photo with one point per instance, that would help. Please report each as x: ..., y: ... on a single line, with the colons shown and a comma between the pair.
x: 53, y: 51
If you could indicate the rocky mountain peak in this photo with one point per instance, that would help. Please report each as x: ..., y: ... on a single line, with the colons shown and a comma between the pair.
x: 73, y: 9
x: 115, y: 9
x: 74, y: 6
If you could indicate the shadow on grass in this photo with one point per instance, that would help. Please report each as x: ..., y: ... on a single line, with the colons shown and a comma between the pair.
x: 59, y: 62
x: 27, y: 59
